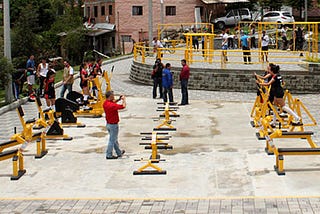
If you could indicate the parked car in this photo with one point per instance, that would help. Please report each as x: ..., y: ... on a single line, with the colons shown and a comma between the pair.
x: 233, y: 17
x: 276, y: 16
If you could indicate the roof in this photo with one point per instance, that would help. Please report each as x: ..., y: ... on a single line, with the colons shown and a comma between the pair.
x: 99, y: 28
x: 223, y: 1
x: 98, y: 32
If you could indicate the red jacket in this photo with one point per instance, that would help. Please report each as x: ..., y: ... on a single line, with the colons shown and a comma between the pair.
x: 185, y: 72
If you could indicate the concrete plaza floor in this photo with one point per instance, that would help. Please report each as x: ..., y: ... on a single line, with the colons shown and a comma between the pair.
x: 216, y: 166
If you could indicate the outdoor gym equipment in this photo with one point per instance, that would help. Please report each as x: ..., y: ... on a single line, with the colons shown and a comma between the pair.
x: 17, y: 162
x: 281, y: 152
x: 54, y: 129
x: 95, y: 108
x: 26, y: 136
x: 65, y: 109
x: 167, y: 121
x: 155, y: 157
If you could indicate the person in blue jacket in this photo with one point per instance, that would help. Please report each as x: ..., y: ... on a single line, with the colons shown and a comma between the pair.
x: 167, y: 83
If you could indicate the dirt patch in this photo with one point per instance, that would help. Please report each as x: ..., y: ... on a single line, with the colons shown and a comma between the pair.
x: 98, y: 150
x: 228, y: 150
x: 97, y: 134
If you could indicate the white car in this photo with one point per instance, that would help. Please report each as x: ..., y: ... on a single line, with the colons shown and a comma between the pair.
x: 277, y: 16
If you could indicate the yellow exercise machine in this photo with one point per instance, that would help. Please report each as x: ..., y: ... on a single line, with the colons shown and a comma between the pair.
x: 156, y: 143
x: 26, y: 136
x: 65, y: 109
x: 17, y: 162
x: 53, y: 127
x: 167, y: 121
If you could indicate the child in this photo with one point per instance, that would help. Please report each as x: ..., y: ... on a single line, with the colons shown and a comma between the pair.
x: 49, y: 91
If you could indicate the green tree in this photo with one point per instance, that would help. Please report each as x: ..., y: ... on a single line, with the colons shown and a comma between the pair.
x: 24, y: 38
x: 6, y: 70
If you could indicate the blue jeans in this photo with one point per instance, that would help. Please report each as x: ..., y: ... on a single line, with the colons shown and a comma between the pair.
x: 64, y: 88
x: 16, y: 89
x: 184, y: 92
x: 113, y: 130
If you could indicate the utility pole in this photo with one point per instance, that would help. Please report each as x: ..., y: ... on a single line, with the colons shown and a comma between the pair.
x: 7, y: 48
x: 150, y: 23
x: 161, y: 17
x: 305, y: 10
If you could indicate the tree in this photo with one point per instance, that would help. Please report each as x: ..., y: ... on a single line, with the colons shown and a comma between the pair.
x: 24, y: 38
x: 6, y: 69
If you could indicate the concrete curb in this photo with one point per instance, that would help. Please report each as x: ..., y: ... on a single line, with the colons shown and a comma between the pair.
x: 23, y: 100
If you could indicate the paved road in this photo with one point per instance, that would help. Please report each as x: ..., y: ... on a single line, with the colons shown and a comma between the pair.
x: 61, y: 184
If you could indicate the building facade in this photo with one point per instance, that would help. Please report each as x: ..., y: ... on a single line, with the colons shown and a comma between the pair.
x: 131, y: 18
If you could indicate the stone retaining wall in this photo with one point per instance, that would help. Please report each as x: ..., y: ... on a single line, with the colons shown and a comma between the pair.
x: 230, y: 80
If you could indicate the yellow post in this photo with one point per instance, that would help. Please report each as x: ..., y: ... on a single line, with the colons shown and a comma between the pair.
x: 15, y: 166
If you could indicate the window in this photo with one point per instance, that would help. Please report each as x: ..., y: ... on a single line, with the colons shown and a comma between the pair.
x: 88, y: 12
x: 126, y: 38
x: 170, y: 10
x: 103, y: 10
x: 244, y: 13
x: 95, y: 11
x: 201, y: 10
x: 110, y: 9
x: 137, y: 11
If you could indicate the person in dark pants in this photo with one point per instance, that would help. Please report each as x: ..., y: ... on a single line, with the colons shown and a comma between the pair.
x: 18, y: 78
x: 253, y: 37
x: 299, y: 39
x: 157, y: 78
x: 245, y: 41
x: 167, y: 83
x: 184, y: 78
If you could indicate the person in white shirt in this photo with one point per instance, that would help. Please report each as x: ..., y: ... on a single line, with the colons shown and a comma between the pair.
x: 42, y: 71
x: 264, y: 46
x: 224, y: 45
x: 67, y: 79
x: 156, y: 44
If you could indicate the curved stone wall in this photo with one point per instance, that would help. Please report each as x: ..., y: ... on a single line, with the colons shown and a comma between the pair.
x: 231, y: 80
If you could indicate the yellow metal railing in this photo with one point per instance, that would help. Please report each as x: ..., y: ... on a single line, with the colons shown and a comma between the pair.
x: 175, y: 50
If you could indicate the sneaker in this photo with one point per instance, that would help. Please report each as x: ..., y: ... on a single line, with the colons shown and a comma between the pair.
x: 112, y: 157
x: 87, y: 108
x: 296, y: 123
x: 122, y: 152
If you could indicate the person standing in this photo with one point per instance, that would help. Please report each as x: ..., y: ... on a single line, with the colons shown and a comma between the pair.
x: 111, y: 108
x: 184, y: 78
x: 67, y: 78
x: 167, y: 84
x: 18, y: 78
x: 264, y: 46
x: 245, y: 41
x: 157, y: 78
x: 253, y: 37
x: 49, y: 90
x: 224, y: 45
x: 42, y: 71
x: 31, y: 69
x: 299, y: 40
x: 284, y: 37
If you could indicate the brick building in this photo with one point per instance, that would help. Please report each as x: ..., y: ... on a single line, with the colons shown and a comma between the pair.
x: 131, y: 18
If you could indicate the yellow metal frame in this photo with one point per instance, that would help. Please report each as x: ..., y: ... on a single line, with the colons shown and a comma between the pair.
x: 26, y: 136
x: 17, y: 164
x: 167, y: 121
